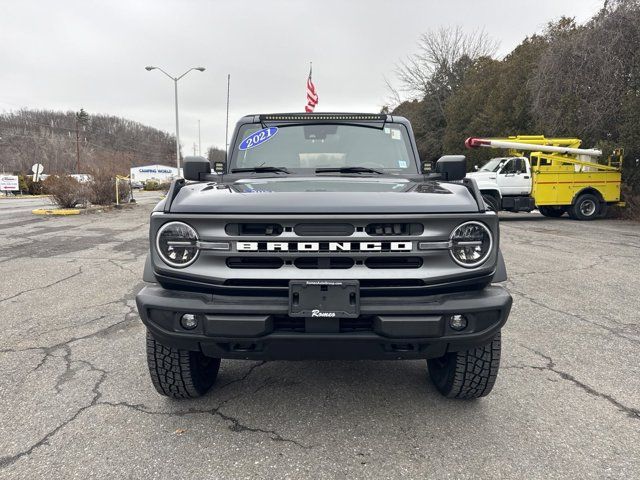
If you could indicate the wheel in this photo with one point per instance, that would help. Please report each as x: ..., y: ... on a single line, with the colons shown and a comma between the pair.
x: 553, y: 212
x: 586, y: 207
x: 467, y: 374
x: 180, y: 373
x: 491, y: 201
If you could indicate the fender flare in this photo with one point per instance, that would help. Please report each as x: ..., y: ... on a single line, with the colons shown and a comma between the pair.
x: 147, y: 274
x: 500, y: 274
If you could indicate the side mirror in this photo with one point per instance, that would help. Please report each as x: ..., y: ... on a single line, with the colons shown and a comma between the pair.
x: 452, y: 167
x: 194, y: 167
x: 476, y: 168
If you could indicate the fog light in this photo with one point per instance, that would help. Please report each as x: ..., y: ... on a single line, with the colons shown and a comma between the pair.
x: 458, y: 322
x: 188, y: 321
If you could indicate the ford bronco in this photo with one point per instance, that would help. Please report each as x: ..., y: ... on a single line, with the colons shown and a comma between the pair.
x: 323, y: 236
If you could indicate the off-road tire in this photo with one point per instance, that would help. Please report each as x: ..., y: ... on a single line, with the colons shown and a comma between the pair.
x: 578, y: 210
x: 492, y: 202
x: 552, y: 212
x: 180, y: 373
x: 467, y: 374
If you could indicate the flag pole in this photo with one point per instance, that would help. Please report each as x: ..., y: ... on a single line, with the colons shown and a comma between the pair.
x: 226, y: 129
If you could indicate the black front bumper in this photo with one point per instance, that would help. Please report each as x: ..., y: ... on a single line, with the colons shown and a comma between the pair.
x: 260, y: 328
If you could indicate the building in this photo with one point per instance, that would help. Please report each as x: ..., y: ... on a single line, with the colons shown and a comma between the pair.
x: 157, y: 173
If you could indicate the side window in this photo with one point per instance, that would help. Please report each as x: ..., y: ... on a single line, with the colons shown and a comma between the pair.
x: 509, y: 167
x: 520, y: 166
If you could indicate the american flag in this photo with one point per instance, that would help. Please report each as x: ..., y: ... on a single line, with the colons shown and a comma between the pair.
x: 312, y: 96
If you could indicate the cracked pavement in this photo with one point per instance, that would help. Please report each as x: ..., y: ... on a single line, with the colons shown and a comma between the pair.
x: 78, y: 403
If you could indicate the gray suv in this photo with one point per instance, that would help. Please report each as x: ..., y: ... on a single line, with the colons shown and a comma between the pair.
x: 323, y: 236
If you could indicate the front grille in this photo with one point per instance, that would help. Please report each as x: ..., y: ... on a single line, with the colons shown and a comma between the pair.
x: 393, y: 262
x: 254, y: 262
x: 256, y: 229
x: 396, y: 229
x: 332, y: 263
x: 324, y: 229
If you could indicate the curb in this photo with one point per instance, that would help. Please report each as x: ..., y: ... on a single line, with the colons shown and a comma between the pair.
x: 80, y: 211
x: 56, y: 211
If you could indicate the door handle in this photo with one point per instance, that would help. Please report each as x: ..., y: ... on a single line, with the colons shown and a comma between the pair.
x: 526, y: 176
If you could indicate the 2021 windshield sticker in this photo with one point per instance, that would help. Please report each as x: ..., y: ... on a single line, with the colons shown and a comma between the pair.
x: 258, y: 138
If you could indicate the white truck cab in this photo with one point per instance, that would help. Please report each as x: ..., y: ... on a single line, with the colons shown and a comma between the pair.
x: 503, y: 177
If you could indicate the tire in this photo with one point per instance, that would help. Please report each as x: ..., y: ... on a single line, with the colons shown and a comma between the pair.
x: 467, y: 374
x: 180, y: 373
x: 492, y: 202
x: 586, y: 207
x: 553, y: 212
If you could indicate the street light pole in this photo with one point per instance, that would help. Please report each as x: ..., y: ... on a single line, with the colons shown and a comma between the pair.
x: 175, y: 86
x: 175, y: 89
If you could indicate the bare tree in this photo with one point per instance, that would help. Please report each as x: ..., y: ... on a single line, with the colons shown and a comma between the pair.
x: 439, y: 51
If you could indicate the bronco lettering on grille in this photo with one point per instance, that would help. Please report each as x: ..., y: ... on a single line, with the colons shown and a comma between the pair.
x: 324, y: 246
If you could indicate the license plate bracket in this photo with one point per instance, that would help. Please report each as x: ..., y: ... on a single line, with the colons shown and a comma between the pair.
x: 324, y: 298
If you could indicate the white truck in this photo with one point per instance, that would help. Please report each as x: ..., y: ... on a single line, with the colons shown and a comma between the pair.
x: 557, y: 177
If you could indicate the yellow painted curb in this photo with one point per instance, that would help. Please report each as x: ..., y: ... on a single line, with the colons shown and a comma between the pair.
x: 56, y: 211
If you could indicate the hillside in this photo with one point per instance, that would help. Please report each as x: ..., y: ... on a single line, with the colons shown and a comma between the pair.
x: 105, y: 141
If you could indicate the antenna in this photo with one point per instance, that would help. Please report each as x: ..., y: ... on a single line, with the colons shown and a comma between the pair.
x: 199, y: 140
x: 226, y: 130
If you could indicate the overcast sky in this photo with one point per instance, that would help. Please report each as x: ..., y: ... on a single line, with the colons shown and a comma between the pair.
x: 67, y: 54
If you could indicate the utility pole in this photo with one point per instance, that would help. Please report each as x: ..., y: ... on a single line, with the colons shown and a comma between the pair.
x: 199, y: 140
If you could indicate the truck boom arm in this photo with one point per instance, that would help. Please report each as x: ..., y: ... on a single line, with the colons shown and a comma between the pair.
x: 532, y: 143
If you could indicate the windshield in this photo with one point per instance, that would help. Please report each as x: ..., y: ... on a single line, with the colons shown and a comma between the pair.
x: 313, y: 146
x: 493, y: 165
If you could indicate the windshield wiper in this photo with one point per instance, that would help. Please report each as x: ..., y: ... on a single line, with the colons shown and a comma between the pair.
x: 349, y: 170
x: 261, y: 170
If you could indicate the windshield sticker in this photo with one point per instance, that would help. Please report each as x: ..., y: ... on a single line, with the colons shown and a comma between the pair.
x: 402, y: 164
x: 258, y: 138
x: 395, y: 134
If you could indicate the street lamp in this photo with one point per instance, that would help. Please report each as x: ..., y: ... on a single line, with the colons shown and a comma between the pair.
x: 175, y: 84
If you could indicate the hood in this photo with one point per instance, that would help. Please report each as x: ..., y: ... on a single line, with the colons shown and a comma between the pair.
x: 324, y: 195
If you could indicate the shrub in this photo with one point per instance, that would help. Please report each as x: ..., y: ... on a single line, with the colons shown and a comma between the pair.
x: 66, y: 192
x: 151, y: 185
x: 102, y: 189
x: 28, y: 186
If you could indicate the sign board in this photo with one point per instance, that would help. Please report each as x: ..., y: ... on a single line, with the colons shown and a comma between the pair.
x: 37, y: 170
x: 9, y: 183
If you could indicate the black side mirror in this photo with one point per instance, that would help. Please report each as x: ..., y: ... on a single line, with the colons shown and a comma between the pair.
x: 195, y: 167
x: 452, y: 167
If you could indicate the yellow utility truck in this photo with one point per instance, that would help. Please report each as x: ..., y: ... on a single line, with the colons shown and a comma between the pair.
x: 557, y: 177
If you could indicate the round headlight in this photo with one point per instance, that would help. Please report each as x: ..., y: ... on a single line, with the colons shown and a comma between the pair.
x: 176, y: 243
x: 471, y: 244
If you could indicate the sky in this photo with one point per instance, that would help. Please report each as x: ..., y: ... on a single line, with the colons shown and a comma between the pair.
x: 67, y: 55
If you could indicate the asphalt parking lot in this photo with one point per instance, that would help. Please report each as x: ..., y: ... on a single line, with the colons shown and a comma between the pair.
x: 77, y: 401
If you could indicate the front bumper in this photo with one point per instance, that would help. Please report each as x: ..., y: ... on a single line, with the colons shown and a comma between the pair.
x: 260, y: 328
